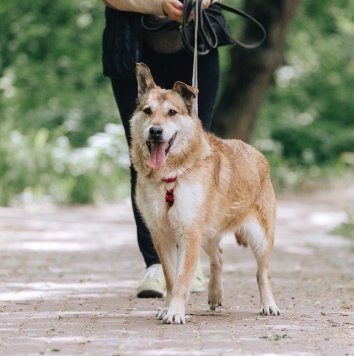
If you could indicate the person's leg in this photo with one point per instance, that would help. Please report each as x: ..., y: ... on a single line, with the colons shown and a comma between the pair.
x: 208, y: 84
x: 125, y: 93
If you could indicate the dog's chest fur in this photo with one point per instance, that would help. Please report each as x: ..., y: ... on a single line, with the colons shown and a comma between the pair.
x: 189, y: 197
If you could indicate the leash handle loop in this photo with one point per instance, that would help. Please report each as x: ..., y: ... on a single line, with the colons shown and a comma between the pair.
x: 251, y: 19
x: 207, y: 37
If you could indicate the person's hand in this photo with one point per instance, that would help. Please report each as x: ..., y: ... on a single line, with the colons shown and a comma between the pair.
x: 174, y: 9
x: 207, y: 3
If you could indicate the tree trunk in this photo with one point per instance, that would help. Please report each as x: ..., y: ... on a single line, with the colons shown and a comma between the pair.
x: 252, y: 70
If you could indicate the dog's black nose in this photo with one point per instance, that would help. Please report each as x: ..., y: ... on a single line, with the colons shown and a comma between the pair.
x: 155, y: 131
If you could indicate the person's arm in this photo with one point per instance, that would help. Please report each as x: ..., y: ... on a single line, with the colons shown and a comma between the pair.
x: 152, y: 7
x: 171, y: 8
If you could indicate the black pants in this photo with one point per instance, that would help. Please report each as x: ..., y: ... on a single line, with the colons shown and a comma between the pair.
x: 166, y: 70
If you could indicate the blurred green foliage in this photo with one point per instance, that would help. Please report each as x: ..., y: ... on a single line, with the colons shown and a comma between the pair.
x: 59, y: 130
x: 50, y: 67
x: 307, y: 120
x: 347, y: 227
x: 60, y: 136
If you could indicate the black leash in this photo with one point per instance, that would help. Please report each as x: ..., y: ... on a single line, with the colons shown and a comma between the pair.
x: 207, y: 36
x: 208, y: 39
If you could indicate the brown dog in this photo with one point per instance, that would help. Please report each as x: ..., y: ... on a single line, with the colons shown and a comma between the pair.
x: 192, y: 189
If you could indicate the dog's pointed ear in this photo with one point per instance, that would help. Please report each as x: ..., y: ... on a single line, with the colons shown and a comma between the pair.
x: 144, y: 78
x: 187, y: 92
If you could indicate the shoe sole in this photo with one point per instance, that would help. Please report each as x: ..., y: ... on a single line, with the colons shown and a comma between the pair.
x: 150, y: 293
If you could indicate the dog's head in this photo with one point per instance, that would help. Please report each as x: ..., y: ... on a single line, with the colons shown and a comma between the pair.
x: 164, y: 119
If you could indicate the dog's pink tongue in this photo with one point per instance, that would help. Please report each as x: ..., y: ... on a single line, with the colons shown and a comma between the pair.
x: 157, y: 157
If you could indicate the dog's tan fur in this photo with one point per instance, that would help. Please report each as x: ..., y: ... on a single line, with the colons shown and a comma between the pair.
x: 222, y: 186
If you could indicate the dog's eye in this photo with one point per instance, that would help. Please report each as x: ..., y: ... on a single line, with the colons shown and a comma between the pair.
x: 147, y: 111
x: 172, y: 112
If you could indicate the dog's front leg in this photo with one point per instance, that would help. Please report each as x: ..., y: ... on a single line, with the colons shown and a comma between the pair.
x: 167, y: 251
x: 187, y: 258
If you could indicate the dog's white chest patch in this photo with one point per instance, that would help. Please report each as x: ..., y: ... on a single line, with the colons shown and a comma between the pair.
x: 189, y: 198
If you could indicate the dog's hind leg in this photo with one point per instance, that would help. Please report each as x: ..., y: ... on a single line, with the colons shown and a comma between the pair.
x: 261, y: 248
x: 215, y: 289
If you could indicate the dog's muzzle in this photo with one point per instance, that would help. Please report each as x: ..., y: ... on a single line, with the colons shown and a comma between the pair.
x: 157, y: 147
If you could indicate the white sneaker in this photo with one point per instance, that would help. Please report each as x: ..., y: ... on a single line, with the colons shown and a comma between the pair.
x: 153, y: 284
x: 198, y: 282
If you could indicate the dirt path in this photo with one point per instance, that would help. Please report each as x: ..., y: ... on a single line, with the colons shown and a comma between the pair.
x: 68, y: 279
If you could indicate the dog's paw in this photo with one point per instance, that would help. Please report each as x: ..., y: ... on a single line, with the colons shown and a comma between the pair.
x: 175, y: 313
x: 213, y: 304
x: 215, y: 296
x: 269, y: 310
x: 161, y: 312
x: 174, y: 319
x: 215, y: 299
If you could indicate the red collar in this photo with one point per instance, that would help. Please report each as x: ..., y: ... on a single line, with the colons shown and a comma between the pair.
x: 169, y: 180
x: 170, y: 198
x: 170, y: 187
